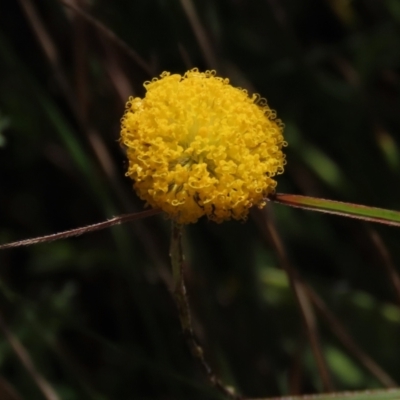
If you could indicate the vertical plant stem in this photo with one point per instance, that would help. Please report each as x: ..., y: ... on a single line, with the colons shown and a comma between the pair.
x: 180, y: 296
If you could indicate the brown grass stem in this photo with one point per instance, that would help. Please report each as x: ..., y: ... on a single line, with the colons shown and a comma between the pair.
x: 345, y: 338
x: 302, y: 299
x: 22, y: 353
x: 110, y: 35
x: 387, y: 262
x: 82, y: 230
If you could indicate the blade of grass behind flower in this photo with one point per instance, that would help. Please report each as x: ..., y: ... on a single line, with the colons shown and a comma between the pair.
x: 110, y: 35
x: 387, y: 262
x: 301, y: 296
x: 350, y: 210
x: 200, y: 33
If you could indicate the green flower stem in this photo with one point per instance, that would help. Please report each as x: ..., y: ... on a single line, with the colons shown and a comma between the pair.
x: 180, y: 296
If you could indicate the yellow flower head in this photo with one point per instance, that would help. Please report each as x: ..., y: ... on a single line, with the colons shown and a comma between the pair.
x: 198, y: 146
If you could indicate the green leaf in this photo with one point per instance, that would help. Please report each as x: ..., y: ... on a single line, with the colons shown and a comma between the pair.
x: 386, y: 394
x: 357, y: 211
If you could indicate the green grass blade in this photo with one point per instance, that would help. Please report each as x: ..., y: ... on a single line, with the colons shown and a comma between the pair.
x: 357, y: 211
x: 386, y: 394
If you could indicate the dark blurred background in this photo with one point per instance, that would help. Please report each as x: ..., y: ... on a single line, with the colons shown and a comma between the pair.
x: 93, y: 313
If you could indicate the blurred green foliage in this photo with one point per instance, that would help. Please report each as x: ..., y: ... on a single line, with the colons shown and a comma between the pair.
x: 93, y: 312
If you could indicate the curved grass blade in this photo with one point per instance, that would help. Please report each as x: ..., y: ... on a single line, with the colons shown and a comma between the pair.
x: 84, y: 229
x: 350, y: 210
x: 386, y: 394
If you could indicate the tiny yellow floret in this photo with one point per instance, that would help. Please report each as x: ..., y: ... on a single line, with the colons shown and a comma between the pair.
x: 198, y: 146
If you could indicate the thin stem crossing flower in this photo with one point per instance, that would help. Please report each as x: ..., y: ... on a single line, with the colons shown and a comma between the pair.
x: 198, y: 146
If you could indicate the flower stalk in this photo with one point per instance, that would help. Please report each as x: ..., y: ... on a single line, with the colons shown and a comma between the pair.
x: 182, y: 303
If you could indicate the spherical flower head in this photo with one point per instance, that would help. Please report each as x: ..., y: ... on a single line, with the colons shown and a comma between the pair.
x: 198, y: 146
